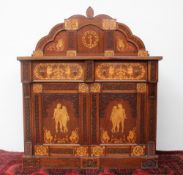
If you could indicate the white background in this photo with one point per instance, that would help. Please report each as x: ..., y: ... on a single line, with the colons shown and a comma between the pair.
x: 159, y: 23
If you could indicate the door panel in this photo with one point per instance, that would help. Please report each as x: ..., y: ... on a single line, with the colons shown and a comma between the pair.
x: 61, y: 118
x: 118, y: 114
x: 58, y: 114
x: 118, y: 118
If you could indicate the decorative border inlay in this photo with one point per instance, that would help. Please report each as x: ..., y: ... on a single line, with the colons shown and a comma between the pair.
x: 71, y: 24
x: 41, y: 150
x: 37, y: 88
x: 95, y: 87
x: 138, y: 150
x: 71, y: 53
x: 94, y: 150
x: 97, y: 151
x: 82, y: 151
x: 109, y: 24
x: 83, y: 88
x: 141, y: 87
x: 109, y: 53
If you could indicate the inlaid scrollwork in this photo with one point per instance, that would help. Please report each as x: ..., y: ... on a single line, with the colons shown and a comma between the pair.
x: 105, y: 138
x: 41, y: 150
x: 138, y: 150
x: 97, y: 150
x: 82, y: 151
x: 120, y: 71
x: 141, y: 87
x: 56, y: 46
x: 83, y: 88
x: 95, y: 87
x: 48, y: 138
x: 131, y: 138
x: 58, y: 71
x: 37, y: 88
x: 74, y: 137
x: 120, y: 45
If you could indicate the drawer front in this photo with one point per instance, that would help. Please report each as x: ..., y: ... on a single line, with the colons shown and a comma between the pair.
x: 62, y: 71
x: 118, y: 71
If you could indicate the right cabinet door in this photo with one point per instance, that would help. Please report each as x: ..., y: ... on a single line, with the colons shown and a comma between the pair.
x: 119, y: 114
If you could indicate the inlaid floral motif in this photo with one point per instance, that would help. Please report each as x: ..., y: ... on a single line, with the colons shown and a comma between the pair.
x: 58, y: 71
x: 120, y: 71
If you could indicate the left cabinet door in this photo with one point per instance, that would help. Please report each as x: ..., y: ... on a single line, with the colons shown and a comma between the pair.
x: 58, y: 114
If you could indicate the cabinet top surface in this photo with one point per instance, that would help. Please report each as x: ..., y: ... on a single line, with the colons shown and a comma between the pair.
x: 110, y: 58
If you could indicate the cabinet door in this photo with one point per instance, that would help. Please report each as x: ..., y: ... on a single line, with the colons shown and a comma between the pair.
x: 58, y: 113
x: 118, y: 114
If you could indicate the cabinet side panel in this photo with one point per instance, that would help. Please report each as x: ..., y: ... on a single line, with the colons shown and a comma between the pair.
x: 153, y: 71
x: 26, y: 72
x: 27, y: 119
x: 152, y: 104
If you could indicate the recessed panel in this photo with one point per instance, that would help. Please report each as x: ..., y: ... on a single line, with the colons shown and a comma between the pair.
x: 118, y: 115
x: 60, y: 119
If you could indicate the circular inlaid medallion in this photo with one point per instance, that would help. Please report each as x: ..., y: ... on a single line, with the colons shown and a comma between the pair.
x: 90, y: 39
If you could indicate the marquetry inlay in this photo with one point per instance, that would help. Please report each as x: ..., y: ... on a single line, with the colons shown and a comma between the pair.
x: 71, y: 24
x: 120, y: 71
x: 41, y: 150
x: 58, y: 71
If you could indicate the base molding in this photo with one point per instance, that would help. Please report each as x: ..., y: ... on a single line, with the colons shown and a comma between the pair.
x: 35, y: 162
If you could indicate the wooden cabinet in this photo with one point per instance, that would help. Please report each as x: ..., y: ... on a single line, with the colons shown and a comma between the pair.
x: 89, y: 97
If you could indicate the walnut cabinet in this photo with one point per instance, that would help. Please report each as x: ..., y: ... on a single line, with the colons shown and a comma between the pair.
x: 90, y: 97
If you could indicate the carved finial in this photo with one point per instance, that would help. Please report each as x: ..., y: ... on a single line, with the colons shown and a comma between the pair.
x: 89, y: 12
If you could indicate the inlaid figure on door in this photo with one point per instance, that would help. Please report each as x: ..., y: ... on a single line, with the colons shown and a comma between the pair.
x: 118, y: 117
x: 61, y: 118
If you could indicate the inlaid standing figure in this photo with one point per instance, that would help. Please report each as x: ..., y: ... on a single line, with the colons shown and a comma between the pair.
x: 61, y: 118
x: 118, y: 117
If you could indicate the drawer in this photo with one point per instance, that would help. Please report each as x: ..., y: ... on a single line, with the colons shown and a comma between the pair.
x: 58, y: 71
x: 118, y: 71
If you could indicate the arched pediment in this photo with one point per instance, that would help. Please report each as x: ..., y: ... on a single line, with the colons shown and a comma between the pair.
x: 90, y: 36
